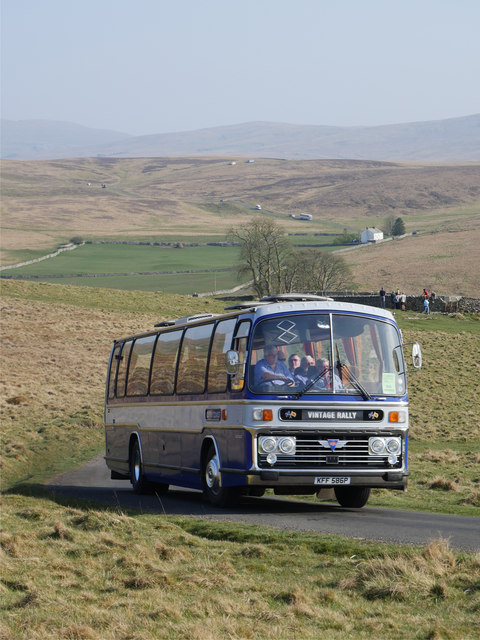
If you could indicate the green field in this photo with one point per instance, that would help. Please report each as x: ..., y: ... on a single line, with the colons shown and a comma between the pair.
x: 217, y: 266
x: 121, y: 258
x: 181, y: 283
x: 214, y: 263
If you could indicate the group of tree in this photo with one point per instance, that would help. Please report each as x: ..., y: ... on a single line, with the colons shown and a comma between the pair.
x: 347, y: 237
x: 274, y: 265
x: 394, y: 226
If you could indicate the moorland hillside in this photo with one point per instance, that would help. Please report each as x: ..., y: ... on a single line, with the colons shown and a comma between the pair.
x: 45, y: 203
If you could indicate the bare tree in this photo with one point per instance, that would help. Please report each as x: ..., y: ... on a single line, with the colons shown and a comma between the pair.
x: 388, y: 225
x: 318, y: 271
x: 269, y: 259
x: 263, y: 254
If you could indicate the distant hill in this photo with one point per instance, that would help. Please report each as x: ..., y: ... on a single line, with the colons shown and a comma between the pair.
x: 451, y: 140
x: 39, y: 139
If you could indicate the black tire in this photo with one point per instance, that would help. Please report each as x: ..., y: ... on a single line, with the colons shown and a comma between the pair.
x: 137, y: 478
x: 258, y: 492
x: 213, y: 491
x: 352, y: 497
x: 160, y: 488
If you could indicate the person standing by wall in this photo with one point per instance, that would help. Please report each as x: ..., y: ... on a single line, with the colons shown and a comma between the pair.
x: 397, y: 299
x: 382, y: 294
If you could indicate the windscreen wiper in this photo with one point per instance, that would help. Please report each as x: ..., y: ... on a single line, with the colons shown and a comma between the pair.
x: 310, y: 384
x: 351, y: 377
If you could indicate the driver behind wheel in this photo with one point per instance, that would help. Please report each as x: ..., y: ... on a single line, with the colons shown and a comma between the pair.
x: 271, y: 370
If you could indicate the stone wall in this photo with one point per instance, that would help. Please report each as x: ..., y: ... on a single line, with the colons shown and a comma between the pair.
x: 444, y: 304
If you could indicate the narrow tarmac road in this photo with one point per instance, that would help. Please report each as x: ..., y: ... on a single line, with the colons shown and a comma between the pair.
x: 92, y: 482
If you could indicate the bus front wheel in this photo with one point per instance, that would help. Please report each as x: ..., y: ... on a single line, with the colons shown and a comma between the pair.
x: 353, y: 497
x: 214, y: 492
x: 137, y: 478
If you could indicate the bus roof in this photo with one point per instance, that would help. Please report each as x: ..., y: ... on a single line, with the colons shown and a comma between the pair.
x: 271, y: 305
x: 328, y: 306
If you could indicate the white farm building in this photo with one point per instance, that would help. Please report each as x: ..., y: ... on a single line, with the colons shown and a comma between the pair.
x: 371, y: 234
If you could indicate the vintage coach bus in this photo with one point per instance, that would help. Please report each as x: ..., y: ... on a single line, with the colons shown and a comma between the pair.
x: 218, y: 403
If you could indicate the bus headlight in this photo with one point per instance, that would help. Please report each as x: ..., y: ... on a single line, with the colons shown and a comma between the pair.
x: 376, y: 445
x: 390, y: 447
x: 276, y: 445
x: 267, y: 444
x: 287, y: 445
x: 393, y: 445
x: 271, y: 458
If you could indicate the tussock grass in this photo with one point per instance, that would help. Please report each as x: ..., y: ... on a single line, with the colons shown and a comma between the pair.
x: 445, y: 484
x: 396, y: 577
x: 70, y: 572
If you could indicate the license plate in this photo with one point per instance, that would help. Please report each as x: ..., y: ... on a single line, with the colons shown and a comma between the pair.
x: 332, y: 480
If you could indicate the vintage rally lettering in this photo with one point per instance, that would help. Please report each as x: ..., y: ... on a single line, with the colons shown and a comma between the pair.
x: 321, y: 415
x: 332, y: 415
x: 346, y: 415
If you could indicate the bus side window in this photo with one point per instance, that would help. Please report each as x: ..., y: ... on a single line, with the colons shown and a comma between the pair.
x: 222, y: 341
x: 139, y: 370
x: 192, y: 365
x: 122, y: 369
x: 240, y: 344
x: 164, y: 363
x: 113, y: 370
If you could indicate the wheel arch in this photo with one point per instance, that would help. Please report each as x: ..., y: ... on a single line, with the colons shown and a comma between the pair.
x: 135, y: 437
x: 208, y: 442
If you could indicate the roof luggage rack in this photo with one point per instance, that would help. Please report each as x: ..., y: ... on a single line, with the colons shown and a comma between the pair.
x: 246, y: 305
x: 295, y: 297
x: 280, y: 297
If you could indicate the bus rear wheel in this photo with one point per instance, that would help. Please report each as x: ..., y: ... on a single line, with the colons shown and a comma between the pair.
x: 352, y: 497
x: 137, y: 478
x: 212, y: 488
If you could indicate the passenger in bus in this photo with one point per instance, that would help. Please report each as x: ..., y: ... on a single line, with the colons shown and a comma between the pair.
x: 325, y: 381
x: 293, y: 362
x: 270, y: 371
x: 306, y: 371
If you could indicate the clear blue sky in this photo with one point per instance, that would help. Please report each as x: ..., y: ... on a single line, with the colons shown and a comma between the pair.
x: 156, y: 66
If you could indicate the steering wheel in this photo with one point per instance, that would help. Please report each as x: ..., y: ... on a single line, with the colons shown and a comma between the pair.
x: 281, y: 379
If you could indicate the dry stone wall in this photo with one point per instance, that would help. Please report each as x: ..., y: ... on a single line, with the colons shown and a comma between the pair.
x: 443, y: 304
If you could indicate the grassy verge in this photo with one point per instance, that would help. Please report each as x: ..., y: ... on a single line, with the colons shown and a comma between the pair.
x: 74, y: 572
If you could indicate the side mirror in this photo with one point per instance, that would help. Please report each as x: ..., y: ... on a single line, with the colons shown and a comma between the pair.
x: 416, y: 355
x: 232, y: 362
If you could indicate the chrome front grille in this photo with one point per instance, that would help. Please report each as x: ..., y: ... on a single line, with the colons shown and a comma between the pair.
x: 315, y: 453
